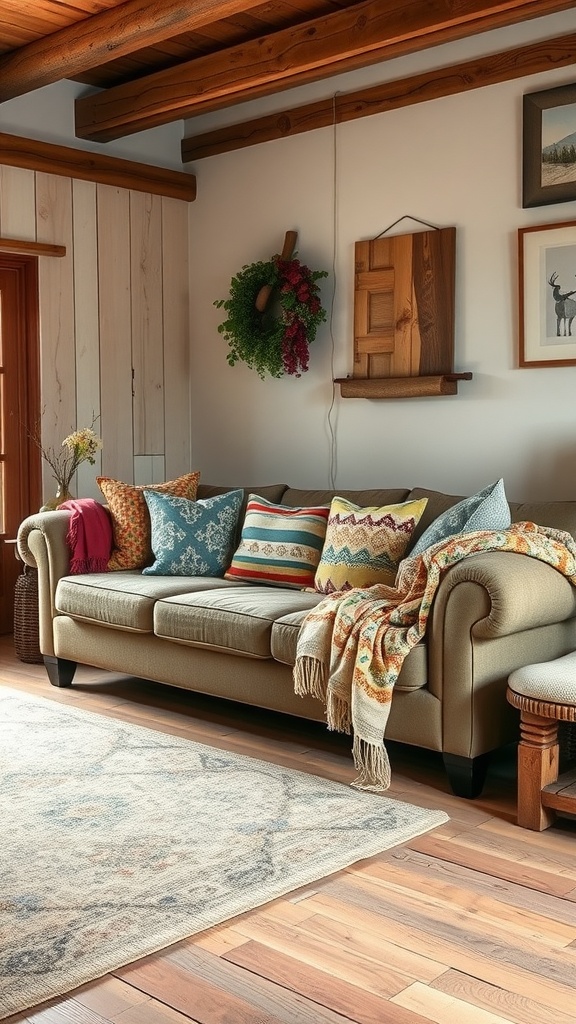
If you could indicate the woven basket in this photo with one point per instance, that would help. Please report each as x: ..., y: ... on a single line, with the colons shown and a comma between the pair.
x: 26, y: 619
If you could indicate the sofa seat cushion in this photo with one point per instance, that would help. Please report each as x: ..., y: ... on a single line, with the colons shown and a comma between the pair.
x: 124, y: 600
x: 238, y: 620
x: 413, y: 675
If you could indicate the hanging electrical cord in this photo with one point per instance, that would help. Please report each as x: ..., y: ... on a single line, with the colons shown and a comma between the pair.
x: 333, y: 464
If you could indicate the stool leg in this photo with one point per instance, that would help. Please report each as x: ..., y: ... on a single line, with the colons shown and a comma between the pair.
x: 537, y: 767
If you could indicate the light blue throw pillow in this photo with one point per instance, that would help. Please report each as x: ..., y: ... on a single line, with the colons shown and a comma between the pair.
x: 486, y: 510
x: 192, y: 538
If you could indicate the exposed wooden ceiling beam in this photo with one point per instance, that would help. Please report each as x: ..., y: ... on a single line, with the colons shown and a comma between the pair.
x: 429, y: 85
x: 369, y: 32
x: 112, y: 33
x: 109, y: 170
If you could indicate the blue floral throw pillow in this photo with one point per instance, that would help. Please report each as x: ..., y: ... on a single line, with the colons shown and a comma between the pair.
x: 192, y: 538
x: 486, y: 510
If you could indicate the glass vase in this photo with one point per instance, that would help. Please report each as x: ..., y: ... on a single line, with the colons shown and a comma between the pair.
x: 62, y: 494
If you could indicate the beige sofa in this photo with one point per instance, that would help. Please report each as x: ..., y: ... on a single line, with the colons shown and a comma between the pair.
x: 493, y: 612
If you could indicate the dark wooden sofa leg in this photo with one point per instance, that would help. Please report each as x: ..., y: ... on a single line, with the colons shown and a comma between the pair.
x: 60, y: 670
x: 466, y: 775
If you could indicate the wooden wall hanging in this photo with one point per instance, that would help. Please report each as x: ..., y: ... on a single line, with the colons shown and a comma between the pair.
x: 404, y: 317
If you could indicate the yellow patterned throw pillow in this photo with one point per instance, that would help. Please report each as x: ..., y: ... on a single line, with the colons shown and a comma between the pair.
x: 364, y: 546
x: 131, y: 520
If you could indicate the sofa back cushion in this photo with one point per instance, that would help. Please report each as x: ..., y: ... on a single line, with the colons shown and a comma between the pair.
x: 559, y: 514
x: 371, y: 496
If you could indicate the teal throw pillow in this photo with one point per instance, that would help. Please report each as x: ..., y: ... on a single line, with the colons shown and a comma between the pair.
x: 486, y: 510
x: 192, y: 538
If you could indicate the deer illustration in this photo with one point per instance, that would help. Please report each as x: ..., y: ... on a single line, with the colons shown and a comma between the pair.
x: 564, y: 307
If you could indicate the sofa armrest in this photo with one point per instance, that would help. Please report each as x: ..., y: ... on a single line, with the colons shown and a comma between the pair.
x: 493, y: 612
x: 522, y: 592
x: 42, y: 544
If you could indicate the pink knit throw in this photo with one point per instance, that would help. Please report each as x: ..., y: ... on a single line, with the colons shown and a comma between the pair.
x: 89, y: 535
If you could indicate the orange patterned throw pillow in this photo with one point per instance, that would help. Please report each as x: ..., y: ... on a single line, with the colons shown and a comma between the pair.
x: 131, y: 520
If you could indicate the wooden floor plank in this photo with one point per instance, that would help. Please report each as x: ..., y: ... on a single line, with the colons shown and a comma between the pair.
x: 152, y: 1012
x: 438, y: 915
x: 492, y: 864
x: 347, y: 965
x: 515, y: 1007
x: 109, y: 996
x: 486, y: 910
x: 66, y: 1011
x: 550, y: 840
x: 372, y: 945
x: 323, y: 988
x: 445, y: 1009
x: 549, y: 908
x: 215, y: 991
x: 519, y: 848
x: 456, y: 950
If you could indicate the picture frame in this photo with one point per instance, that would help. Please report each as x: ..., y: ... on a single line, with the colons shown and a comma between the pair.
x: 547, y: 295
x: 549, y: 122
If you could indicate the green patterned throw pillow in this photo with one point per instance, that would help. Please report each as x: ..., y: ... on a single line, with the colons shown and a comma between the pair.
x: 192, y: 538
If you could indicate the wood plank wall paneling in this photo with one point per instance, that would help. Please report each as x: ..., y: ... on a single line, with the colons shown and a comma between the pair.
x: 115, y: 332
x: 85, y: 241
x: 177, y: 337
x: 146, y: 294
x: 149, y: 469
x: 17, y: 204
x: 118, y: 298
x: 56, y: 285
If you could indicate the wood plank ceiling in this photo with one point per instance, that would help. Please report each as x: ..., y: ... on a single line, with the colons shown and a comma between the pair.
x: 150, y: 62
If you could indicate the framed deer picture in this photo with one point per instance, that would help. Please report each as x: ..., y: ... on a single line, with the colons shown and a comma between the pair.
x: 547, y: 295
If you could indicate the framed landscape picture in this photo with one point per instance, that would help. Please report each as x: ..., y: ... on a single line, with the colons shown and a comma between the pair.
x: 549, y: 147
x: 547, y: 295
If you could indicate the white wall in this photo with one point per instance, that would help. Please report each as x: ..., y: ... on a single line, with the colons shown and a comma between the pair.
x: 48, y: 116
x: 453, y: 161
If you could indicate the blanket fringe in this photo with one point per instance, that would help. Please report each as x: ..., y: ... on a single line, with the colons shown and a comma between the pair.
x: 338, y: 716
x: 310, y: 677
x: 371, y: 760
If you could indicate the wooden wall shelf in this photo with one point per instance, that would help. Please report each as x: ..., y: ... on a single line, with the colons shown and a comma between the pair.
x: 401, y: 387
x: 25, y: 248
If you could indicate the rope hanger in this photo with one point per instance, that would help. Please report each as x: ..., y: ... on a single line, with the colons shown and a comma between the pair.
x: 406, y: 216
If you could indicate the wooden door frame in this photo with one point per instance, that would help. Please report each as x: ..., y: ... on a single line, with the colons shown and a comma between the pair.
x: 28, y: 359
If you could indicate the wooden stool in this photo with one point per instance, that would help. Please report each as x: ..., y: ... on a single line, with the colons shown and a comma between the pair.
x: 546, y: 695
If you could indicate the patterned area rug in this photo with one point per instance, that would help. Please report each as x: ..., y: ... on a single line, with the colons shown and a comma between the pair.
x: 118, y: 840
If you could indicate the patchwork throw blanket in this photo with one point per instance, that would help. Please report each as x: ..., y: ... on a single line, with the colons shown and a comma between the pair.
x: 352, y: 645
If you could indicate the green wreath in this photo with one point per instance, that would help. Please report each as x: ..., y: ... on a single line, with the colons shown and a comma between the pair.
x: 276, y: 340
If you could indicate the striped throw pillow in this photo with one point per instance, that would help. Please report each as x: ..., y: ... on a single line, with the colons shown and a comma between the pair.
x: 365, y: 545
x: 279, y: 545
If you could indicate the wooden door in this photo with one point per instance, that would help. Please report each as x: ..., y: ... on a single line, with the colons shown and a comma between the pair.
x: 404, y: 305
x: 20, y: 470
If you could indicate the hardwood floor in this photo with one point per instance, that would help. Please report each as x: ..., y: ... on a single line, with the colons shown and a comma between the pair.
x: 473, y: 923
